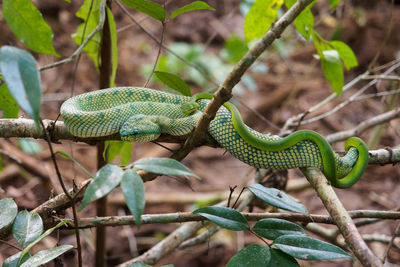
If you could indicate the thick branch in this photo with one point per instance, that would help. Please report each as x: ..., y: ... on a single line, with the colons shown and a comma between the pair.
x: 224, y: 92
x: 26, y: 128
x: 341, y: 217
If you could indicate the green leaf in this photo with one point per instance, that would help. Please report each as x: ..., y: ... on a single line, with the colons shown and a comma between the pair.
x: 48, y: 232
x: 114, y: 48
x: 8, y: 212
x: 196, y: 5
x: 115, y: 148
x: 304, y: 22
x: 132, y: 187
x: 225, y: 217
x: 307, y: 248
x: 254, y: 255
x: 67, y: 156
x: 85, y: 28
x: 27, y: 227
x: 334, y: 3
x: 27, y: 23
x: 12, y: 261
x: 7, y: 103
x: 260, y: 18
x: 29, y: 146
x: 281, y: 259
x: 174, y: 82
x: 333, y: 70
x: 235, y: 48
x: 164, y: 166
x: 126, y: 153
x: 45, y: 256
x: 346, y: 54
x: 107, y: 178
x: 152, y: 9
x: 276, y: 198
x: 18, y: 68
x: 274, y: 228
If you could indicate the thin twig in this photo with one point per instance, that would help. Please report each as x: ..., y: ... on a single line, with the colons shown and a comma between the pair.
x: 152, y: 36
x: 71, y: 199
x: 158, y: 54
x: 294, y: 121
x: 385, y: 40
x: 179, y: 217
x: 80, y: 48
x: 350, y: 99
x: 394, y: 235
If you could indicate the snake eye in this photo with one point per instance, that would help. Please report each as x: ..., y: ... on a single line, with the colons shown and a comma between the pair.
x: 135, y: 133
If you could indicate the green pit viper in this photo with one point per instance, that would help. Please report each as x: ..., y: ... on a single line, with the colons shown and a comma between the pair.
x: 141, y: 114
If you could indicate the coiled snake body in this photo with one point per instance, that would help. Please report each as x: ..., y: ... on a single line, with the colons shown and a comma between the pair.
x: 142, y: 114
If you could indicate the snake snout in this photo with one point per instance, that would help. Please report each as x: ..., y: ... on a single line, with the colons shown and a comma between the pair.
x: 139, y: 128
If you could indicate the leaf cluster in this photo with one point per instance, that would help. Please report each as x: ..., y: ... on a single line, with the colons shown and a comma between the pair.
x: 27, y: 229
x: 290, y: 240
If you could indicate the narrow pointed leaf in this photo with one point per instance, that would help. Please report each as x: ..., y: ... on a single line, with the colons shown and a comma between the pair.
x: 87, y: 26
x: 174, y: 82
x: 196, y: 5
x: 48, y: 232
x: 307, y: 248
x: 27, y: 227
x: 114, y: 47
x: 281, y: 259
x: 276, y: 198
x: 133, y: 189
x: 8, y: 212
x: 225, y: 217
x: 274, y: 228
x: 12, y: 261
x: 254, y: 255
x: 18, y: 68
x: 45, y: 256
x: 27, y: 23
x: 152, y: 9
x: 7, y: 103
x: 67, y: 156
x: 164, y: 166
x: 107, y: 178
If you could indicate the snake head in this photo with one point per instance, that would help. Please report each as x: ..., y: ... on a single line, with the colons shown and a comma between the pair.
x: 189, y: 107
x: 140, y: 128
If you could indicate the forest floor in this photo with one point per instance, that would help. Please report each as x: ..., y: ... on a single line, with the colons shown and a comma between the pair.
x: 293, y: 83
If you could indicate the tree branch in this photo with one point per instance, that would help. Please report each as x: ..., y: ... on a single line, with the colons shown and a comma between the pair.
x: 224, y: 92
x: 341, y: 217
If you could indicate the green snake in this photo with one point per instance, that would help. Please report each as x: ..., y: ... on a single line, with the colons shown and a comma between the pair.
x: 141, y: 114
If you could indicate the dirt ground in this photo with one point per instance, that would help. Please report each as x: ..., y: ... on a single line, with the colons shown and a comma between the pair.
x: 293, y: 83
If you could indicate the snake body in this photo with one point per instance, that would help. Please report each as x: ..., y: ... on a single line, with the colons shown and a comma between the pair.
x: 141, y: 114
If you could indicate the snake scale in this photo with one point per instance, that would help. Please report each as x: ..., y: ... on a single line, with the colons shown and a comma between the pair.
x: 141, y: 114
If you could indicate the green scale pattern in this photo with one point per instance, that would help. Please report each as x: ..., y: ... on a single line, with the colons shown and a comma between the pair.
x: 303, y: 154
x: 103, y: 112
